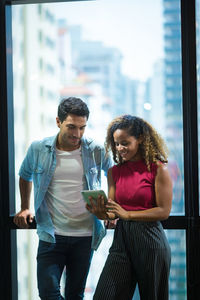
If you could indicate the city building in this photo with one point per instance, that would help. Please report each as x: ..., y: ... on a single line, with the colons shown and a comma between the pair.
x: 36, y: 95
x: 174, y: 132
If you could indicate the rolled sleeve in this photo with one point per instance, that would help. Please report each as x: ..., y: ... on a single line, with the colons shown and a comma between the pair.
x: 26, y: 169
x: 107, y: 162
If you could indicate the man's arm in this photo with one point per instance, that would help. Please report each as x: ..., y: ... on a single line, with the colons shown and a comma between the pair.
x: 24, y: 216
x: 107, y: 162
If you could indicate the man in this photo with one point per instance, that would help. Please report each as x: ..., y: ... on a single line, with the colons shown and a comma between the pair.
x: 60, y: 167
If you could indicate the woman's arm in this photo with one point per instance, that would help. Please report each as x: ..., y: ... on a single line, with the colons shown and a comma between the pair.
x: 163, y: 195
x: 111, y: 193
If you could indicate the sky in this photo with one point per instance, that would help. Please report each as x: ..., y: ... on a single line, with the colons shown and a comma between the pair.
x: 134, y: 27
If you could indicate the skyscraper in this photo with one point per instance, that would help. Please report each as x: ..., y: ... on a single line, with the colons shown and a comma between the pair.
x: 174, y: 137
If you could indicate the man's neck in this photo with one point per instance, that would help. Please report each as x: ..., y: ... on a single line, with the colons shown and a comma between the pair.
x: 62, y: 147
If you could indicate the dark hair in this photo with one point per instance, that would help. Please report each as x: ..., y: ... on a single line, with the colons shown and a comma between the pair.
x: 152, y: 147
x: 72, y: 105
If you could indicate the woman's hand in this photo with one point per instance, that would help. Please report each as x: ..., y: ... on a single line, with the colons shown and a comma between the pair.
x: 113, y: 207
x: 97, y: 207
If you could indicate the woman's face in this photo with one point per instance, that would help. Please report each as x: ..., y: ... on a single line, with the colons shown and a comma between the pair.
x: 126, y: 145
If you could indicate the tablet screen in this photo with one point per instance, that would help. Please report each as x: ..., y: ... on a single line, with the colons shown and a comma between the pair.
x: 94, y: 194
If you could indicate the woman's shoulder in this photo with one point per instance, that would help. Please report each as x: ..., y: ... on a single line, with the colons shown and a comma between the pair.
x: 114, y: 171
x: 156, y: 166
x: 161, y: 167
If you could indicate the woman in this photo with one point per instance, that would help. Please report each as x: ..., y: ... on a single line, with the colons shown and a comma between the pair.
x: 140, y: 195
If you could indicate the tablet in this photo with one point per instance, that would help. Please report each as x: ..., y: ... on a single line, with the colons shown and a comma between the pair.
x: 94, y: 194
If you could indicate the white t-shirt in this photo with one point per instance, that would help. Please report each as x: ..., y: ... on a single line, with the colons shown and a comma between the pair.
x: 64, y: 199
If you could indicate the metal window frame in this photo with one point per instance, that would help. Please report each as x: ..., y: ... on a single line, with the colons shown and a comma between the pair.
x: 190, y: 222
x: 190, y: 133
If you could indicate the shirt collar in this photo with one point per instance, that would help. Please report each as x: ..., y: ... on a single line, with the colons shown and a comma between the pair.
x: 51, y: 142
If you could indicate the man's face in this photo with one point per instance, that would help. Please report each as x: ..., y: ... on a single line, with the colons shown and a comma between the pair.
x: 71, y: 132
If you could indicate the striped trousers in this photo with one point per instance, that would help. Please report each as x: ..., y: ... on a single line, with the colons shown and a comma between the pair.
x: 140, y: 253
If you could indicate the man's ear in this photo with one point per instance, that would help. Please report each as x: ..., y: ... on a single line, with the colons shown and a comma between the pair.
x: 58, y: 122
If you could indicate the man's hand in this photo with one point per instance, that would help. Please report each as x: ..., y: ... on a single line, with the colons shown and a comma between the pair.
x: 98, y: 208
x: 22, y: 218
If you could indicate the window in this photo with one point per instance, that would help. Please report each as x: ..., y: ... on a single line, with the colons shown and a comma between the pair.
x: 149, y: 89
x: 106, y: 70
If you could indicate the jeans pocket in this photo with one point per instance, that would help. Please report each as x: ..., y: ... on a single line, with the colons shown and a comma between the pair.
x: 44, y: 247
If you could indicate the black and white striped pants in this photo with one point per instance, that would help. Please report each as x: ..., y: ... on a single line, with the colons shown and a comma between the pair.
x: 140, y: 253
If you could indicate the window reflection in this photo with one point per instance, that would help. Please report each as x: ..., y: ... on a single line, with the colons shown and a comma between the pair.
x: 118, y: 63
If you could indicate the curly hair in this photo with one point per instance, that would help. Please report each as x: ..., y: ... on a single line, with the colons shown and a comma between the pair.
x: 152, y: 147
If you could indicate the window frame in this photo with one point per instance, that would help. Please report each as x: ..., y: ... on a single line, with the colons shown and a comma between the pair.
x: 190, y: 222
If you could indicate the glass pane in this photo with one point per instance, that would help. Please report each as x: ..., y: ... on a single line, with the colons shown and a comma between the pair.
x: 177, y: 280
x: 118, y: 63
x: 26, y: 254
x: 173, y: 99
x: 27, y: 270
x: 114, y: 75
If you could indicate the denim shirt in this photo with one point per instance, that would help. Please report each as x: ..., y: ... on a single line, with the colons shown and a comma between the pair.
x: 39, y: 166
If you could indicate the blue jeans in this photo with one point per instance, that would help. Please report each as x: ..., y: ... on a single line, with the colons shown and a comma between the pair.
x: 75, y: 254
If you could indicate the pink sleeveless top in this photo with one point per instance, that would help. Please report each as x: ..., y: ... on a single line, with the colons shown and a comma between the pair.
x: 135, y: 185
